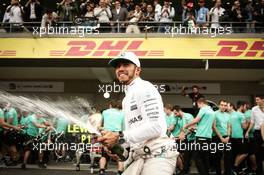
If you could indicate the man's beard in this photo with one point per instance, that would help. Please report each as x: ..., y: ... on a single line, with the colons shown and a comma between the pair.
x: 130, y: 77
x: 128, y: 81
x: 261, y: 106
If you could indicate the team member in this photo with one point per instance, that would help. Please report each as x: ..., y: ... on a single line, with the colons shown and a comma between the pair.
x: 190, y: 136
x: 257, y: 121
x: 251, y: 141
x: 222, y: 130
x: 33, y: 123
x: 179, y: 122
x: 239, y: 146
x: 2, y: 120
x: 204, y: 121
x: 170, y: 118
x: 145, y: 125
x: 113, y: 120
x: 61, y: 124
x: 4, y: 126
x: 11, y: 136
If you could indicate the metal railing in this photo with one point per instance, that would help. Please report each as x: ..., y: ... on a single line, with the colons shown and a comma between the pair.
x: 92, y: 26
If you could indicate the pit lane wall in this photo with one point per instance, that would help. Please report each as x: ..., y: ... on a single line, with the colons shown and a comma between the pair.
x: 150, y: 48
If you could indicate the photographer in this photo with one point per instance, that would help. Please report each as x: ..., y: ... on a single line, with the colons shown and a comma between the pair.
x: 216, y: 12
x: 67, y: 11
x: 194, y: 95
x: 167, y: 13
x: 103, y: 14
x: 50, y: 18
x: 14, y: 15
x: 33, y: 11
x: 134, y: 17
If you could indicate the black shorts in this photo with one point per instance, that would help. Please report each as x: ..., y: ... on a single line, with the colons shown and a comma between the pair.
x: 252, y: 146
x: 29, y: 142
x: 180, y: 146
x: 1, y: 137
x: 105, y: 155
x: 239, y: 146
x: 12, y: 138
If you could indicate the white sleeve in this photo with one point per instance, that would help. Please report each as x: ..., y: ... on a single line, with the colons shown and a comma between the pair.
x: 151, y: 108
x: 172, y: 13
x: 44, y: 20
x: 157, y: 13
x: 97, y: 12
x: 109, y: 13
x: 252, y: 118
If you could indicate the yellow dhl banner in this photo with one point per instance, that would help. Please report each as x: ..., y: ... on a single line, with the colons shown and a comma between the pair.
x: 155, y: 48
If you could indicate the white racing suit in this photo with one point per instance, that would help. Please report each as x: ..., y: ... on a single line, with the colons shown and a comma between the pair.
x: 152, y: 152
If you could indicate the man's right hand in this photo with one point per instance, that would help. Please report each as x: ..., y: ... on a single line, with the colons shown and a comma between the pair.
x: 182, y: 136
x: 246, y: 135
x: 17, y: 128
x: 108, y: 138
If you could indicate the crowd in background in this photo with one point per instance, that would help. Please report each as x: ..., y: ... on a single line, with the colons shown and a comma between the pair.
x: 230, y: 124
x: 134, y: 16
x: 238, y: 125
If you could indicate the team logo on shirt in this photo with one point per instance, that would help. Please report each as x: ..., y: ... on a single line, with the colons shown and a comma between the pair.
x: 133, y: 107
x: 135, y: 119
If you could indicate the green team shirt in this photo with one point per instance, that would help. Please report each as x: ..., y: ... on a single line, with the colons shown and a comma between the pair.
x: 12, y: 113
x: 113, y: 119
x: 178, y: 126
x: 222, y: 120
x: 23, y: 122
x: 41, y: 121
x: 237, y: 118
x: 1, y: 117
x: 204, y: 127
x: 32, y: 130
x: 248, y: 118
x: 61, y: 124
x: 170, y: 120
x: 187, y: 118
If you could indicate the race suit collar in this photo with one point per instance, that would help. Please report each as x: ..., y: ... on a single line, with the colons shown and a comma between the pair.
x: 132, y: 83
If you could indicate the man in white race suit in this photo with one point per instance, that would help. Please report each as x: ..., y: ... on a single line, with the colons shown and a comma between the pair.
x: 151, y: 151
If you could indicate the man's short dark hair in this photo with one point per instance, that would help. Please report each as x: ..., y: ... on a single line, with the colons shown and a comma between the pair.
x: 202, y: 100
x: 259, y: 96
x: 240, y: 103
x: 177, y: 108
x: 232, y: 105
x: 116, y: 104
x: 168, y: 106
x: 222, y: 100
x: 195, y: 86
x: 49, y: 11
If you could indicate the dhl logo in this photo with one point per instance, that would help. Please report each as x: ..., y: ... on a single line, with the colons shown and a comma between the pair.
x: 235, y: 49
x: 7, y: 53
x: 105, y: 48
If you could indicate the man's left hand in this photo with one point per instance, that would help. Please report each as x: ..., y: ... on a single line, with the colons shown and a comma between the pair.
x: 108, y: 138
